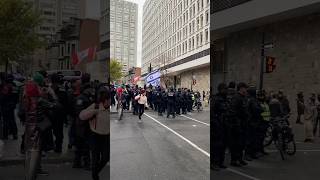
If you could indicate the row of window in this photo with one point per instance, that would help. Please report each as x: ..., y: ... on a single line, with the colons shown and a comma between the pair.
x: 188, y: 30
x: 156, y: 33
x: 186, y: 46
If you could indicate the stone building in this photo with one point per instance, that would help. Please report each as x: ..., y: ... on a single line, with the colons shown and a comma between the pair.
x: 292, y: 27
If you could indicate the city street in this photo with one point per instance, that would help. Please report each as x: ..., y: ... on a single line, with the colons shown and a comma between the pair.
x: 160, y: 148
x: 304, y: 165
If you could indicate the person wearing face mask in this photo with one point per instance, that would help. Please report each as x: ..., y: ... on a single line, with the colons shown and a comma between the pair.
x: 238, y: 125
x: 98, y: 116
x: 218, y: 129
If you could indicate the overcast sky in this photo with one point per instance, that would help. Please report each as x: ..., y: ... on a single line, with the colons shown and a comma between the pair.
x: 140, y: 4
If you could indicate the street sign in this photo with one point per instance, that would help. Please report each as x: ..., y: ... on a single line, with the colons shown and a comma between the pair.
x: 268, y: 46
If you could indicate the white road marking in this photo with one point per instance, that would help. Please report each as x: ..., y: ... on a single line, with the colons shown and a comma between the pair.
x: 198, y: 148
x: 185, y: 139
x: 195, y: 120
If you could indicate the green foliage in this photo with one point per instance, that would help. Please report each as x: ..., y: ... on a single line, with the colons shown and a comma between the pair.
x: 115, y: 70
x: 18, y: 35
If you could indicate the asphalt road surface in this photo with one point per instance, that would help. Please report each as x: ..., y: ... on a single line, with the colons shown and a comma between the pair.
x: 56, y: 172
x: 303, y: 165
x: 160, y: 148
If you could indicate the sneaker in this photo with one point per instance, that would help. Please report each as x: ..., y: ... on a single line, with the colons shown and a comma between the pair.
x: 42, y: 172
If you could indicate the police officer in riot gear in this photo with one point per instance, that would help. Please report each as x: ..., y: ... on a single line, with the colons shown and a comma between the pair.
x: 159, y: 101
x: 171, y: 99
x: 218, y: 130
x: 255, y: 110
x: 60, y: 114
x: 82, y: 128
x: 238, y: 118
x: 178, y: 101
x: 184, y: 100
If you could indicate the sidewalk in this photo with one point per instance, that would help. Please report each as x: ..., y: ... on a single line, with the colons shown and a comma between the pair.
x: 11, y: 151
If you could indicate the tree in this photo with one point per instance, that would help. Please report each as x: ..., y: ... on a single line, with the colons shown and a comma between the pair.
x: 115, y: 70
x: 18, y: 36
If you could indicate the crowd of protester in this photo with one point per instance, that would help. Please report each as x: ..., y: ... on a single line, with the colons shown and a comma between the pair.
x: 45, y: 105
x: 170, y: 100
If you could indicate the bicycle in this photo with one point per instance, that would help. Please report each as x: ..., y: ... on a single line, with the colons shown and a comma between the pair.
x: 283, y: 137
x: 120, y: 110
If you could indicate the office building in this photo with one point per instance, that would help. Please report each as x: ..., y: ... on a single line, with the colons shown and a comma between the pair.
x: 123, y: 33
x: 176, y: 40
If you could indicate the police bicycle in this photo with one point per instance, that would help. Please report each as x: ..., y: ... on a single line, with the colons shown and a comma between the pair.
x: 282, y: 136
x: 198, y: 104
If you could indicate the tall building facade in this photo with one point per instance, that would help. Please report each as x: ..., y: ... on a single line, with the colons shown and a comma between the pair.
x: 290, y: 27
x: 123, y: 33
x: 176, y: 39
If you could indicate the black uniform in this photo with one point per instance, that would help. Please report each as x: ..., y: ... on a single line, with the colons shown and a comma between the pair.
x: 219, y: 129
x: 255, y: 119
x: 238, y: 125
x: 135, y: 102
x: 171, y: 100
x: 178, y: 102
x: 159, y: 102
x: 8, y: 101
x: 59, y: 115
x: 82, y: 129
x: 184, y: 100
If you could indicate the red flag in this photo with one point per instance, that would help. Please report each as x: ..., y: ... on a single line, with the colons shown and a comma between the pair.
x: 75, y: 58
x: 91, y: 54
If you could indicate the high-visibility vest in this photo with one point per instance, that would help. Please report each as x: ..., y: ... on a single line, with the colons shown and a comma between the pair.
x: 192, y: 97
x: 266, y: 112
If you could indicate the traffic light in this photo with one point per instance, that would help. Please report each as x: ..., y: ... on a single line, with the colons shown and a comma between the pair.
x: 270, y: 64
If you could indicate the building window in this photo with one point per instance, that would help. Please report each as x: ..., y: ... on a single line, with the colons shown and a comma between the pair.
x: 198, y: 5
x: 207, y: 17
x: 198, y: 23
x: 201, y: 20
x: 197, y: 40
x: 207, y: 35
x: 201, y: 38
x: 193, y: 42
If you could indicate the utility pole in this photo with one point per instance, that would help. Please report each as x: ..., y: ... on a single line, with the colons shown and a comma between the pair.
x: 262, y: 61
